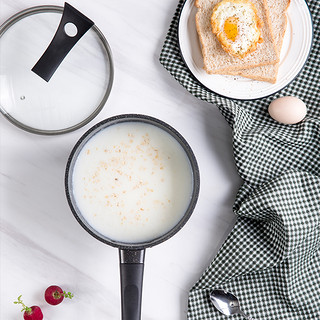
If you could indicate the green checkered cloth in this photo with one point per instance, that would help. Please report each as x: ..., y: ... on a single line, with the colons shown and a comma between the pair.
x: 271, y: 258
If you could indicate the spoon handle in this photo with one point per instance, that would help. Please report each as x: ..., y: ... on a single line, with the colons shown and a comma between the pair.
x: 246, y: 316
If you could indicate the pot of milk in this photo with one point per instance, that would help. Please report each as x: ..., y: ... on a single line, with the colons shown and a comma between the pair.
x: 132, y: 181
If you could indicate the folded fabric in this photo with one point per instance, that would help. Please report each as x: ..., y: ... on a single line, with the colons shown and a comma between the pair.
x: 271, y: 259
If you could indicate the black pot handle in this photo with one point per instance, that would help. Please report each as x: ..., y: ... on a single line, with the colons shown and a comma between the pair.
x: 62, y: 43
x: 131, y: 277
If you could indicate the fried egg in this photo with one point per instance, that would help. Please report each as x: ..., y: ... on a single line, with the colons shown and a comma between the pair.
x: 237, y: 26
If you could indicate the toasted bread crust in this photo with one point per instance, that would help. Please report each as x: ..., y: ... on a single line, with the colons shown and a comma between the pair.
x: 216, y: 60
x: 269, y: 73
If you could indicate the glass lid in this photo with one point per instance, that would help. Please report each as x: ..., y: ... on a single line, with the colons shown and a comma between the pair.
x: 80, y: 74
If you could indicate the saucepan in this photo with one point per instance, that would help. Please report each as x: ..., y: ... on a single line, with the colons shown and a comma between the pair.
x: 132, y: 182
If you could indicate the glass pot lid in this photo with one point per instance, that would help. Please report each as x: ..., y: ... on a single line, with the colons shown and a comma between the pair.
x: 79, y: 84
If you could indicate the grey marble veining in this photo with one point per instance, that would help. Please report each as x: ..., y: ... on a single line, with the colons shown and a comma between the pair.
x: 42, y: 243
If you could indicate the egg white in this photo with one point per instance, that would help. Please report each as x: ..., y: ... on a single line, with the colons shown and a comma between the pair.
x: 248, y: 31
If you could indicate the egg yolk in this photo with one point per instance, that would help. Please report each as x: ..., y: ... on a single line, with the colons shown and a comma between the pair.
x: 231, y: 28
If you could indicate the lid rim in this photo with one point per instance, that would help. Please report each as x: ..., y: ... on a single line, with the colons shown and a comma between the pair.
x: 52, y: 8
x: 28, y: 12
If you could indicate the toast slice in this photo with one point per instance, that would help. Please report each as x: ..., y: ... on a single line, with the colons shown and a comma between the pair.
x: 278, y: 18
x: 216, y: 60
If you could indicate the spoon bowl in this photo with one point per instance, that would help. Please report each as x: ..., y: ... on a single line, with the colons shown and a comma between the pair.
x: 226, y: 303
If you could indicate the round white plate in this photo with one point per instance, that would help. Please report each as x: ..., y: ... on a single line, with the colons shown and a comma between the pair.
x: 295, y: 51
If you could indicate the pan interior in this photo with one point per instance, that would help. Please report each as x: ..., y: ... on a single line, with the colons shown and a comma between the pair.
x: 132, y: 183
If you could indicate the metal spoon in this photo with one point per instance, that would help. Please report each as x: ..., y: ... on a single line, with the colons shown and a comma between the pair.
x: 227, y: 303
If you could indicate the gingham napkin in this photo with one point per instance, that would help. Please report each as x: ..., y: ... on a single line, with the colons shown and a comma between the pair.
x: 271, y: 259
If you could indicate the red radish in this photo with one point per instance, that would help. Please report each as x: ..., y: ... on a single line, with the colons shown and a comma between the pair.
x: 30, y: 313
x: 54, y: 295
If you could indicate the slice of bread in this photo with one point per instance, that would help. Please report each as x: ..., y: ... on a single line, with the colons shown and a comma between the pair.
x: 215, y: 59
x: 278, y: 18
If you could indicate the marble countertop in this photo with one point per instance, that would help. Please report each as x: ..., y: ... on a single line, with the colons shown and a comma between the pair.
x: 42, y: 243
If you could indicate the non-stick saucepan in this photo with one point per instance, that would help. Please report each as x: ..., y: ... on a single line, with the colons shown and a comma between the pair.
x: 131, y: 255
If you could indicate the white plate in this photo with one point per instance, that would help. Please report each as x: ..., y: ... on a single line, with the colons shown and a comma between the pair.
x: 295, y: 51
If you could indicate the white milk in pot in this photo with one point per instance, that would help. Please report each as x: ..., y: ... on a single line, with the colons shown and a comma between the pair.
x: 132, y: 182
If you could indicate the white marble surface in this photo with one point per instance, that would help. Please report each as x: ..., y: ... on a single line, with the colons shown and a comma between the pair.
x: 42, y: 243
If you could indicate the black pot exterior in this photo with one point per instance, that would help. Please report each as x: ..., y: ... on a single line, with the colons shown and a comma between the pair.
x: 131, y: 118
